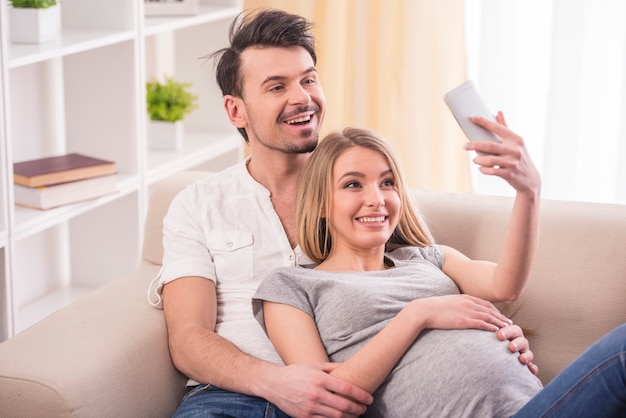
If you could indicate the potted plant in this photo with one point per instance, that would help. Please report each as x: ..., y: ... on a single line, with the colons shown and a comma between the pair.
x: 168, y: 103
x: 34, y: 21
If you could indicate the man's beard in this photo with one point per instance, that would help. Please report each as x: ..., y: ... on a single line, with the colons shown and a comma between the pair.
x: 309, y: 136
x: 301, y: 148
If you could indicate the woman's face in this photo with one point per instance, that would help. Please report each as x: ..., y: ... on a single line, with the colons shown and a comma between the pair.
x: 365, y: 204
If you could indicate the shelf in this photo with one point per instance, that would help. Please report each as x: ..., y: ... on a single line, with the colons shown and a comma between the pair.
x: 48, y: 304
x: 85, y: 92
x: 207, y: 14
x: 32, y: 221
x: 71, y: 41
x: 198, y: 147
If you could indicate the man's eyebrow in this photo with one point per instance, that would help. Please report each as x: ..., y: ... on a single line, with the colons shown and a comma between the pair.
x: 282, y: 77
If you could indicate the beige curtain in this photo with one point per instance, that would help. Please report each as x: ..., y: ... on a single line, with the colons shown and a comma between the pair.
x: 385, y: 65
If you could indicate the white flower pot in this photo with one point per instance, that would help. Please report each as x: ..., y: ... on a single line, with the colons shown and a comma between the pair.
x: 34, y: 26
x: 165, y: 135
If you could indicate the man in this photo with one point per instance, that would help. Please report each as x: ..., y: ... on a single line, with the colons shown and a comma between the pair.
x: 225, y: 233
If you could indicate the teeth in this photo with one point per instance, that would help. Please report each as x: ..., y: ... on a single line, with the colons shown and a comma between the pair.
x: 371, y: 219
x: 299, y: 120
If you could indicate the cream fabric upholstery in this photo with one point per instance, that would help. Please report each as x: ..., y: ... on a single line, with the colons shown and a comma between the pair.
x: 106, y: 355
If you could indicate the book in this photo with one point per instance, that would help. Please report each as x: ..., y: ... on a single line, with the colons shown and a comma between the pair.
x: 48, y: 197
x: 60, y: 169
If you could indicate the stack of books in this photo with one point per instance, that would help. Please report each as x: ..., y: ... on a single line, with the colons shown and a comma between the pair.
x: 50, y: 182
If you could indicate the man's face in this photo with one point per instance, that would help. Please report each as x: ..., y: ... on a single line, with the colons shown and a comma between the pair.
x: 283, y: 102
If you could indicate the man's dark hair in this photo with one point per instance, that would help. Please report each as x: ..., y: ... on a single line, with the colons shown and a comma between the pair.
x: 266, y: 28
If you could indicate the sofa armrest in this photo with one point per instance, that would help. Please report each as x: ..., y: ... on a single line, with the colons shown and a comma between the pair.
x: 105, y: 355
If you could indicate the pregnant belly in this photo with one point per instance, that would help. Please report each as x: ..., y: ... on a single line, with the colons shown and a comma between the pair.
x: 457, y: 373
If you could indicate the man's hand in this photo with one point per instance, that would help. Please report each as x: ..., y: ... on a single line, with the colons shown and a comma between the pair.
x: 519, y: 344
x: 307, y: 390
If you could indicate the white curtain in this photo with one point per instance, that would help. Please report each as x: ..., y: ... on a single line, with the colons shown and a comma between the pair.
x: 557, y: 69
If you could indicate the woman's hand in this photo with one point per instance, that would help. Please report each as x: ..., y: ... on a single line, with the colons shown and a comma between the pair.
x: 458, y: 312
x: 509, y: 160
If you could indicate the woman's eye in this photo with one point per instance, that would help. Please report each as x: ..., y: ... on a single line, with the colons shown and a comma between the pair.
x: 351, y: 185
x: 389, y: 183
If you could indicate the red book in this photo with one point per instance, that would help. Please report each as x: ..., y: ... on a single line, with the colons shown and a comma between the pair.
x: 60, y: 169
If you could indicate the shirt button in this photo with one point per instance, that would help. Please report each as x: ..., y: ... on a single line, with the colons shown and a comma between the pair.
x: 291, y: 257
x: 229, y: 243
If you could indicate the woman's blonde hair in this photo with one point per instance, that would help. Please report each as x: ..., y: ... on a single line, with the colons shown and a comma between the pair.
x: 314, y: 196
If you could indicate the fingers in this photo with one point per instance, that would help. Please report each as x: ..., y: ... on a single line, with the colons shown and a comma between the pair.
x: 509, y: 160
x: 500, y: 119
x: 351, y: 394
x: 461, y: 312
x: 519, y: 344
x: 499, y: 128
x: 492, y: 318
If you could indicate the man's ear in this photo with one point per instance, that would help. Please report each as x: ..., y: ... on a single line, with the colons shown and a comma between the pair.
x: 235, y: 110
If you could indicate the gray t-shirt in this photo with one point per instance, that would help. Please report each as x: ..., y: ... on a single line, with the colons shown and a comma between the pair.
x: 446, y: 373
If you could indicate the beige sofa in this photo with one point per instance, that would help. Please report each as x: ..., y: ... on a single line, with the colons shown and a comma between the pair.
x: 106, y: 355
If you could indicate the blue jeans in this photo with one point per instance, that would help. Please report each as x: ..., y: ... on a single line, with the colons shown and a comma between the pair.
x: 210, y: 401
x: 594, y: 385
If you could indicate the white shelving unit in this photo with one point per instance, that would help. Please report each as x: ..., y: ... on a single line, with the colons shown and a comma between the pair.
x: 85, y: 92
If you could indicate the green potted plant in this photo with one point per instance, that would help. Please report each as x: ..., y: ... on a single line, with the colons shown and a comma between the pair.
x: 168, y: 103
x: 34, y: 21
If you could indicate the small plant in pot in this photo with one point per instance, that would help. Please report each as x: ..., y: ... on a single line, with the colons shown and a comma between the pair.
x: 168, y: 103
x: 34, y: 21
x: 33, y: 4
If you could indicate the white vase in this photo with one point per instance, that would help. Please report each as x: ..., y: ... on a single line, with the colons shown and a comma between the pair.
x: 165, y: 135
x: 34, y: 26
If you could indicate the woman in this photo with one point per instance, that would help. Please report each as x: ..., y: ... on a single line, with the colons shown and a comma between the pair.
x: 409, y: 321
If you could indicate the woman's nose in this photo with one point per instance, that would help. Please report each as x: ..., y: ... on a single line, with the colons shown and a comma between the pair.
x: 375, y: 199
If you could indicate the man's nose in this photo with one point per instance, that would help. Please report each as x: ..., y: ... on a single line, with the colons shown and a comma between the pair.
x: 299, y: 95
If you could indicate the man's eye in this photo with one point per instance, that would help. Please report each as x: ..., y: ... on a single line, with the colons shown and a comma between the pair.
x: 276, y: 88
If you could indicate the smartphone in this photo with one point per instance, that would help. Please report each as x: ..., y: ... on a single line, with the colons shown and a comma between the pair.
x: 464, y: 101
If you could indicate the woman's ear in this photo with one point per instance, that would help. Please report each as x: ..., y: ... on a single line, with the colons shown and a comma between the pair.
x: 235, y: 110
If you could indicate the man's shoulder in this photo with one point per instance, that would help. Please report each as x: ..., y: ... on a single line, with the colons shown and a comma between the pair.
x: 230, y: 179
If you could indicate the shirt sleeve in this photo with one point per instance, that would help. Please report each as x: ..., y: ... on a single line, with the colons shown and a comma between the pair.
x: 282, y: 286
x: 185, y: 250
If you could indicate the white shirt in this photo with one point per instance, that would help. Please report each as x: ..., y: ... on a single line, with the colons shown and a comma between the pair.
x: 225, y: 228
